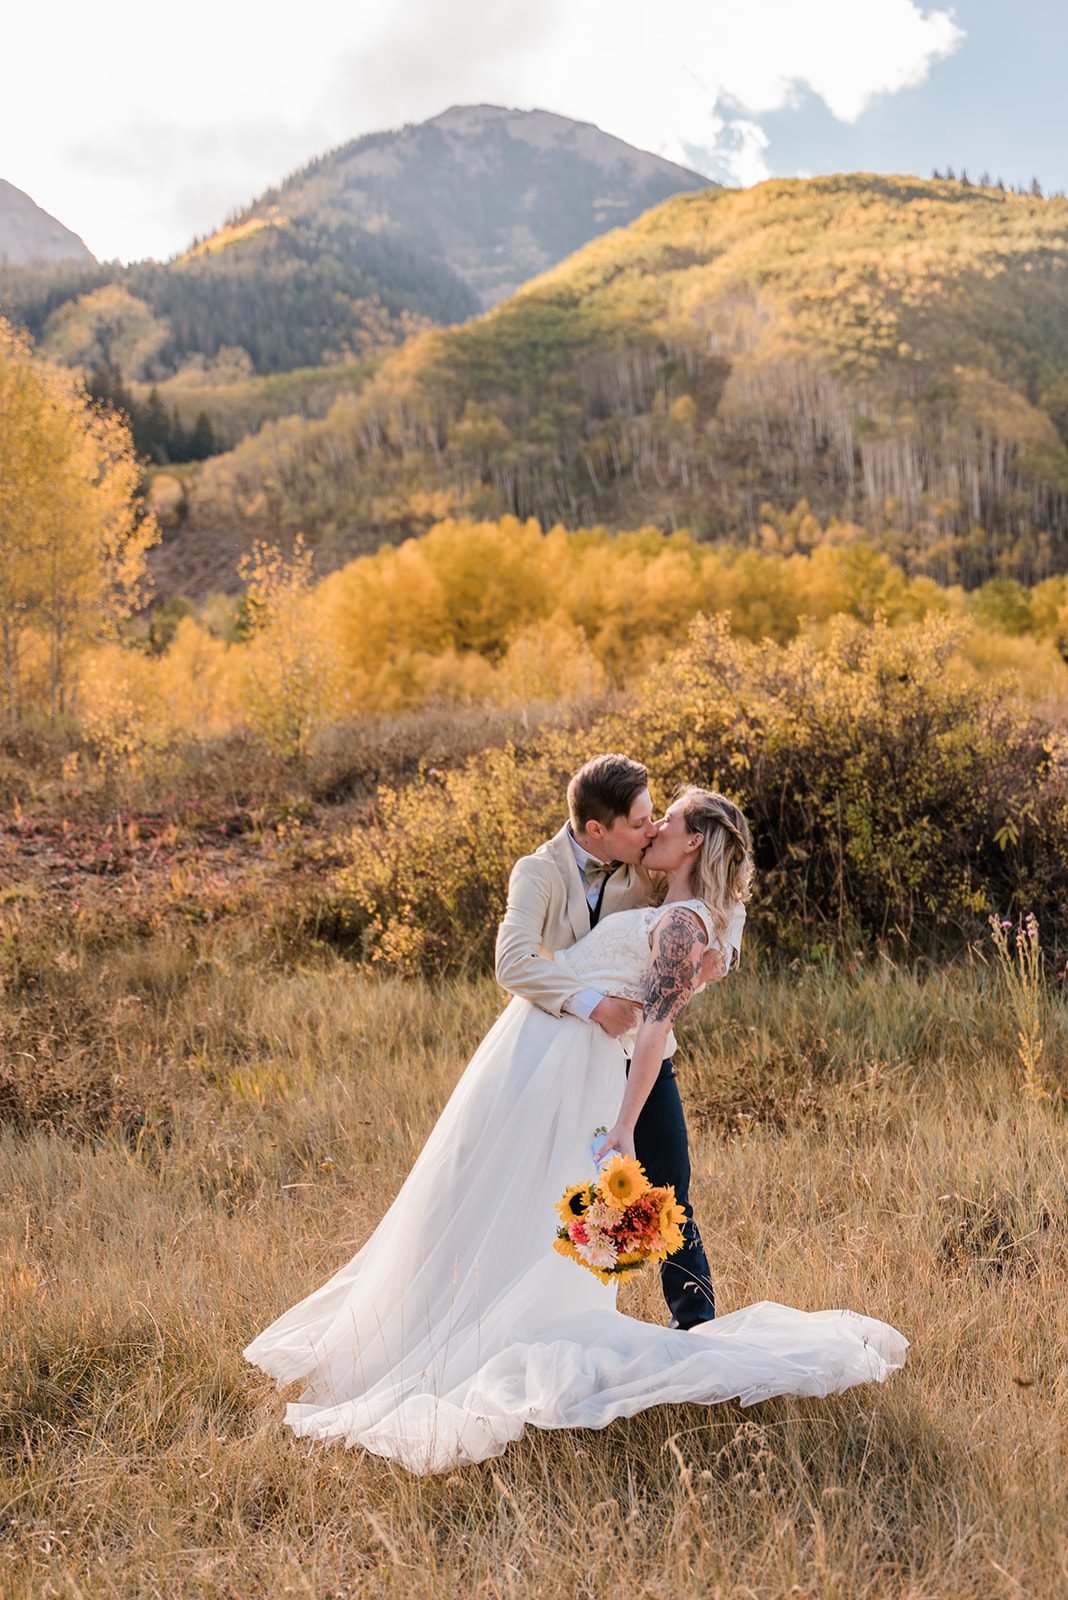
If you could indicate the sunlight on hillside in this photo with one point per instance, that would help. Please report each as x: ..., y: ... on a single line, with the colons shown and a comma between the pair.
x: 234, y: 233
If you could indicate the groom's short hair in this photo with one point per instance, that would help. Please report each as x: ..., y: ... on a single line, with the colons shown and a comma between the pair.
x: 604, y: 789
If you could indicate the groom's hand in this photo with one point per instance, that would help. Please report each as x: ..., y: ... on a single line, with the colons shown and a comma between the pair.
x: 616, y: 1016
x: 713, y: 966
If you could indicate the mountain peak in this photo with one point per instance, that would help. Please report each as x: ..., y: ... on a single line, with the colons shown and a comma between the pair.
x: 501, y: 194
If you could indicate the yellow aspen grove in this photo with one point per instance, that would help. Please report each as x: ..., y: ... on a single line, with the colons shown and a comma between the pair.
x: 288, y: 678
x: 74, y: 533
x: 21, y: 449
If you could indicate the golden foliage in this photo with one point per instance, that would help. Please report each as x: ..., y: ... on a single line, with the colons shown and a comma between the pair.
x: 890, y: 348
x: 287, y: 672
x: 502, y: 614
x: 579, y: 609
x: 72, y: 558
x: 137, y: 709
x: 233, y: 233
x: 108, y: 327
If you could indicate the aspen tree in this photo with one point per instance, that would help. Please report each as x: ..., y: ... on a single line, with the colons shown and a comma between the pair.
x: 74, y: 534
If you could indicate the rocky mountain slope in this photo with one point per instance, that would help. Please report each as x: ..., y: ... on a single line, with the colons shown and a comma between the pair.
x: 29, y: 234
x: 501, y: 195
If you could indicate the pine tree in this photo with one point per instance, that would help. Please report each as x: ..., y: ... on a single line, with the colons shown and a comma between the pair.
x: 178, y: 446
x: 153, y: 431
x: 202, y: 441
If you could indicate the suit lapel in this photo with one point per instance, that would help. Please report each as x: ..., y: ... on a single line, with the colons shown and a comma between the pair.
x: 578, y: 909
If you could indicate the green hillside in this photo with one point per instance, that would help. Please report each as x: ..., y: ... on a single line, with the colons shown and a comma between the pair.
x: 290, y: 292
x: 893, y: 350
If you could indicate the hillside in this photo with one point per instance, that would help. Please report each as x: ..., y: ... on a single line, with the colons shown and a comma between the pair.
x: 29, y: 234
x: 318, y: 291
x: 893, y: 350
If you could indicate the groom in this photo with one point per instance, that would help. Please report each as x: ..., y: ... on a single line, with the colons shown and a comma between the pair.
x: 590, y: 869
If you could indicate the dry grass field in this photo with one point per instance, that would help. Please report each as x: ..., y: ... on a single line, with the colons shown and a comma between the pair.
x: 197, y: 1133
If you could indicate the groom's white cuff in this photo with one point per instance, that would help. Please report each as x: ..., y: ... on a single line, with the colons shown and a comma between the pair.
x: 584, y: 1003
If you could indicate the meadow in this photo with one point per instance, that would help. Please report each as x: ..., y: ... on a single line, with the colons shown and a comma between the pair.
x: 251, y: 861
x: 202, y: 1122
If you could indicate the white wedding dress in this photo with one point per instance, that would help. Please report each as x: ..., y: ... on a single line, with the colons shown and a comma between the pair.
x: 457, y: 1323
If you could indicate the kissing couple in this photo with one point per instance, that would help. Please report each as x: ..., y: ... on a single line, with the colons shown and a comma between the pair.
x: 457, y: 1323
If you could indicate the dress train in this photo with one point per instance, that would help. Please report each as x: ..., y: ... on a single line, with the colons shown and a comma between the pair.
x: 457, y: 1324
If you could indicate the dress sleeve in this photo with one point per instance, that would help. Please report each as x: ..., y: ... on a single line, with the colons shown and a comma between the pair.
x: 733, y: 936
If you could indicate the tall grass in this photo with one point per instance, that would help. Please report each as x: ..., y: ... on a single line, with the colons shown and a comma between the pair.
x: 859, y: 1139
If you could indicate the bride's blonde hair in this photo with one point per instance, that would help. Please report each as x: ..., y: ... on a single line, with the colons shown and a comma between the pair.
x: 723, y: 872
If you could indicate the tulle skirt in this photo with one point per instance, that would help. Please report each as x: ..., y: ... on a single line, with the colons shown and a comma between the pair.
x: 457, y: 1324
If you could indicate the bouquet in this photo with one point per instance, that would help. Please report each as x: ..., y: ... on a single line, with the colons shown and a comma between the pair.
x: 617, y: 1221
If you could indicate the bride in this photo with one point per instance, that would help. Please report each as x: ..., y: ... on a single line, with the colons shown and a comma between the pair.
x: 457, y: 1323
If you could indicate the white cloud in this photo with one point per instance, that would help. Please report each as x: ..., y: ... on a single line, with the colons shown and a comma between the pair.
x: 139, y: 131
x: 660, y: 78
x: 739, y: 153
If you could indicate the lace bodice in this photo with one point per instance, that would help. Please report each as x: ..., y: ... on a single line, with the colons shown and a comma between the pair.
x: 614, y: 957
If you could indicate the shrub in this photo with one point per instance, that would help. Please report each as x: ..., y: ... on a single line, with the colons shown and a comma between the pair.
x: 888, y: 788
x: 425, y: 886
x: 893, y: 796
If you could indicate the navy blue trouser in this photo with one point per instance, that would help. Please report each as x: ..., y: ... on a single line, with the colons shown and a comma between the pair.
x: 662, y: 1147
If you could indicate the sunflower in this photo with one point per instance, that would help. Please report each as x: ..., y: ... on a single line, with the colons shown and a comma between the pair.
x: 574, y: 1203
x: 672, y: 1215
x: 621, y: 1181
x: 672, y: 1219
x: 563, y: 1245
x: 614, y: 1274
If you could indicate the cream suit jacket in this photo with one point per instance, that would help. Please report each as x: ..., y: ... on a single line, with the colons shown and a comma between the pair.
x: 548, y: 910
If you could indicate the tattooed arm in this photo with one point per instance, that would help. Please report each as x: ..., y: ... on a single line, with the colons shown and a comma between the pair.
x: 679, y: 945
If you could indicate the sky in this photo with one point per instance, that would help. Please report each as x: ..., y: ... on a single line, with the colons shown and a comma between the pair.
x: 140, y: 126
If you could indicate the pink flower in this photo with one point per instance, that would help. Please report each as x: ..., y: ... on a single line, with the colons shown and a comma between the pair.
x: 597, y: 1255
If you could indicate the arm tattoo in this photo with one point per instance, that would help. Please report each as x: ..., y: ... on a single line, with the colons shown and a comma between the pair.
x: 675, y: 972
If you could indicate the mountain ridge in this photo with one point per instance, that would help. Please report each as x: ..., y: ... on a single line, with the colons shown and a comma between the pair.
x: 29, y: 234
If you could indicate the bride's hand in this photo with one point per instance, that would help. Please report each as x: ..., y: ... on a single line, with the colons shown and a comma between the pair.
x: 619, y: 1138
